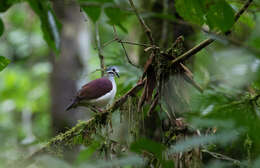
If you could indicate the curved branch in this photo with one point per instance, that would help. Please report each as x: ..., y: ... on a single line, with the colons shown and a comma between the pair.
x: 100, y: 55
x: 147, y: 30
x: 88, y: 127
x: 208, y: 41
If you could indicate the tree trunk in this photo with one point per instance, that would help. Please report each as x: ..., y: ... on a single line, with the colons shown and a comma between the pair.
x: 65, y: 66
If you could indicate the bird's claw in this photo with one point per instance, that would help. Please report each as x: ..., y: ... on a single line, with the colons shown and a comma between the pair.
x: 95, y: 109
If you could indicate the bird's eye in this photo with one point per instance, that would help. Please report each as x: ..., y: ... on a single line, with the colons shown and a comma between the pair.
x: 113, y: 70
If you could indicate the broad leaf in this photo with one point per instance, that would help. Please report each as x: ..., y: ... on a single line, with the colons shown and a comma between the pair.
x: 88, y: 152
x: 148, y: 145
x: 93, y: 12
x: 49, y: 24
x: 116, y: 16
x: 1, y: 27
x: 217, y: 14
x: 220, y: 15
x: 4, y: 5
x: 191, y: 10
x: 196, y: 141
x: 3, y: 62
x: 167, y: 164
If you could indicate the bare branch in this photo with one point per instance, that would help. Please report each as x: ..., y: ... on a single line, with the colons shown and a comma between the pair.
x: 208, y: 41
x: 125, y: 42
x: 221, y: 157
x: 226, y: 39
x: 100, y: 55
x: 119, y: 40
x: 164, y: 34
x: 134, y: 43
x: 147, y: 30
x: 194, y: 50
x: 109, y: 42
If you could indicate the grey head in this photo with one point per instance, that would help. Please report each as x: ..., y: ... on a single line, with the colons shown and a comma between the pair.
x: 112, y: 71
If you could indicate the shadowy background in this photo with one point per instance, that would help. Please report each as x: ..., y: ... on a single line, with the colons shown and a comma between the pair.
x: 38, y: 84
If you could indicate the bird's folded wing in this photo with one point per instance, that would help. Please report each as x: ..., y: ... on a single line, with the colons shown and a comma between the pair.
x: 95, y: 89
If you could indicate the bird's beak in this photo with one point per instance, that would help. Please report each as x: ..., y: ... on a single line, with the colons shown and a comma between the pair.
x: 117, y: 74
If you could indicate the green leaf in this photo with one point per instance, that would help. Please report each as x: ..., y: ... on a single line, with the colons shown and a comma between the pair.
x: 5, y: 4
x: 3, y: 62
x: 159, y: 16
x: 49, y: 23
x: 148, y: 145
x: 2, y: 28
x: 116, y: 16
x: 191, y: 10
x: 93, y: 12
x: 196, y: 141
x: 167, y: 164
x: 220, y: 15
x: 85, y: 154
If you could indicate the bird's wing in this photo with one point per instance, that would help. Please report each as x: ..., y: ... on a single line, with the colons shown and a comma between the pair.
x: 95, y: 89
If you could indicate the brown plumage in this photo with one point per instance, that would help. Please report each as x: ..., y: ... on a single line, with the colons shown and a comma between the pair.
x: 92, y: 90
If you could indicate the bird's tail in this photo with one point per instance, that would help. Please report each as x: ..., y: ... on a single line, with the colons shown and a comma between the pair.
x: 73, y: 104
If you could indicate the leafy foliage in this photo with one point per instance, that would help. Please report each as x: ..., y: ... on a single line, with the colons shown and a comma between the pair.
x: 116, y: 15
x: 223, y: 119
x: 3, y: 62
x: 5, y: 5
x: 217, y: 14
x: 49, y: 23
x: 1, y: 27
x: 93, y: 12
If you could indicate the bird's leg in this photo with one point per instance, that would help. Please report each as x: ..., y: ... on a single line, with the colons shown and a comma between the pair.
x: 95, y: 109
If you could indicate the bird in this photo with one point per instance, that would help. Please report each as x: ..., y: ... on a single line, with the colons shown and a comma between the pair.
x: 97, y: 93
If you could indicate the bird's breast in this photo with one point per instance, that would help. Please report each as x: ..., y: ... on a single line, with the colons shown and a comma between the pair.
x: 102, y: 101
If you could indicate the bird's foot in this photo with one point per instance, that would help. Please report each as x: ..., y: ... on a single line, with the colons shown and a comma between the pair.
x: 95, y: 109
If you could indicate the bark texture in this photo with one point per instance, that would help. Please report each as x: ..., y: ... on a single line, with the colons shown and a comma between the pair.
x: 65, y: 66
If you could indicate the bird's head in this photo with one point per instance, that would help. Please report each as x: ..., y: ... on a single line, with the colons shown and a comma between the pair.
x: 113, y: 70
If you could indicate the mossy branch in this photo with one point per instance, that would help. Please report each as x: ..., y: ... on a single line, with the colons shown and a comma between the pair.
x: 85, y: 128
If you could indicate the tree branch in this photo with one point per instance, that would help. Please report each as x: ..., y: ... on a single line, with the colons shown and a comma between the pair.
x: 100, y: 55
x: 147, y: 30
x: 221, y: 157
x: 119, y: 40
x: 125, y: 42
x: 226, y: 40
x: 208, y: 41
x: 88, y: 127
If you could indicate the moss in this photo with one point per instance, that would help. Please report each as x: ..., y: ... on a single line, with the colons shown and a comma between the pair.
x: 248, y: 146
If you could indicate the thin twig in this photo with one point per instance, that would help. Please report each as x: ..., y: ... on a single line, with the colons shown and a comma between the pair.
x: 208, y: 41
x: 239, y: 13
x: 147, y: 30
x: 226, y: 39
x: 163, y: 39
x: 109, y: 42
x: 100, y: 55
x: 221, y: 157
x: 134, y: 43
x: 119, y: 40
x: 125, y: 42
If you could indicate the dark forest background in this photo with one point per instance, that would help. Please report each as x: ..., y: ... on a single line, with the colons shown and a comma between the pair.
x: 188, y: 92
